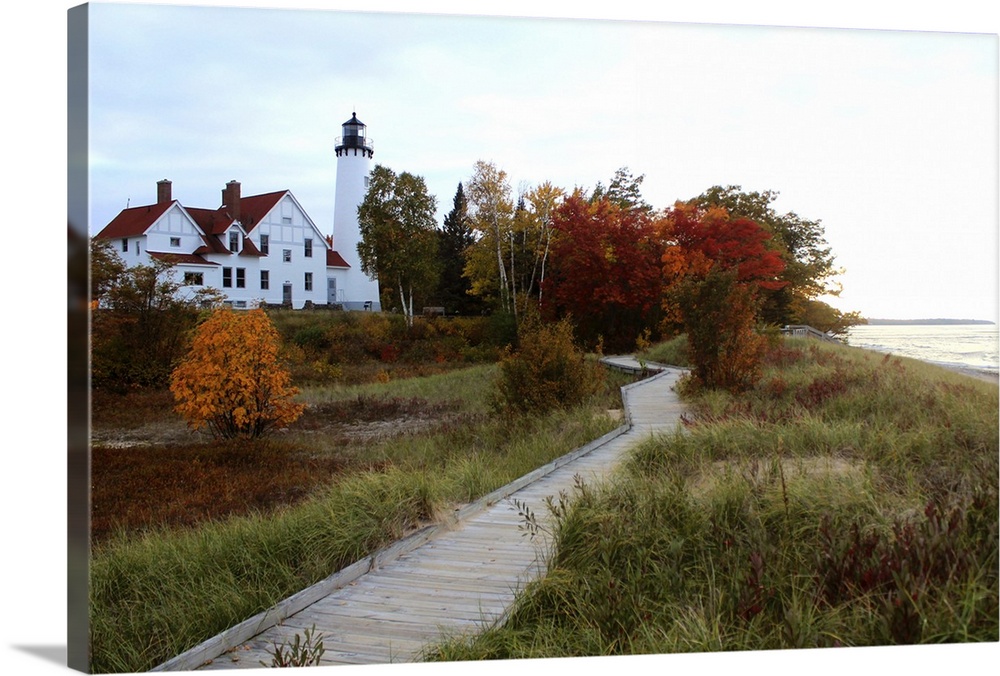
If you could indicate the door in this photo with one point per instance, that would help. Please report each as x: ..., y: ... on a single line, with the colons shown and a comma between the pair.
x: 331, y: 290
x: 286, y: 294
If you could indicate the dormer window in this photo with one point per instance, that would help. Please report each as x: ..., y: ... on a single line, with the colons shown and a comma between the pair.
x: 234, y: 241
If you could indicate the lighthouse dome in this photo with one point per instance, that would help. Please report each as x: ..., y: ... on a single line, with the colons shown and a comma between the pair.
x: 353, y: 137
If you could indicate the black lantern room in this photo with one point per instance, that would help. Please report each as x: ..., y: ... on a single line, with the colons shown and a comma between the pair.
x: 353, y: 140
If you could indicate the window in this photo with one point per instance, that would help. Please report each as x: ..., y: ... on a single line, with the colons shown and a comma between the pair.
x: 286, y: 255
x: 265, y: 280
x: 264, y: 244
x: 286, y: 220
x: 240, y: 303
x: 234, y: 241
x: 124, y: 243
x: 227, y: 277
x: 194, y: 279
x: 241, y: 278
x: 175, y: 241
x: 309, y: 281
x: 308, y: 244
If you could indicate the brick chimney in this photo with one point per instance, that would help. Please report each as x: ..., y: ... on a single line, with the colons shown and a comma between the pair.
x: 163, y: 192
x: 231, y: 199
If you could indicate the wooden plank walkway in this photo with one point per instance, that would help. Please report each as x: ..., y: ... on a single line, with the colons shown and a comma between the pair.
x: 446, y: 580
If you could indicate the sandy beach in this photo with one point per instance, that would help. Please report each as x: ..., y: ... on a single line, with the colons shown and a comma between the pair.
x: 988, y: 376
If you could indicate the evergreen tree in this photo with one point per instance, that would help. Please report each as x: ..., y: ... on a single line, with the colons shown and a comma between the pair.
x: 453, y: 240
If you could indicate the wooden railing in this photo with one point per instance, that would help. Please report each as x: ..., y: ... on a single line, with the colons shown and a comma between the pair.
x: 803, y: 331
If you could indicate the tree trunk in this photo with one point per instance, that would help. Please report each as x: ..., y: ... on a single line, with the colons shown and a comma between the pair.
x: 402, y: 304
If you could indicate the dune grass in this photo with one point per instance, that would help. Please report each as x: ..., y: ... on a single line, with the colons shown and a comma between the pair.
x: 156, y: 594
x: 850, y: 499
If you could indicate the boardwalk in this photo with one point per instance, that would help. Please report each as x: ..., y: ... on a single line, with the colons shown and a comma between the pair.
x: 446, y: 580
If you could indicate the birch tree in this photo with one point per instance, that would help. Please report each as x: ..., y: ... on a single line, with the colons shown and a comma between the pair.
x: 491, y: 214
x: 398, y: 235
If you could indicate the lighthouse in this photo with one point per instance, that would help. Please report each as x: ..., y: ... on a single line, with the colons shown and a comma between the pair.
x: 354, y: 163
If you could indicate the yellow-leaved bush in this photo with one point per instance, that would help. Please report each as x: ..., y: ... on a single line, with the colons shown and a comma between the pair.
x: 231, y: 380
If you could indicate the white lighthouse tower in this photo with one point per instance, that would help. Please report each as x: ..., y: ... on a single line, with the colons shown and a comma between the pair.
x: 354, y: 159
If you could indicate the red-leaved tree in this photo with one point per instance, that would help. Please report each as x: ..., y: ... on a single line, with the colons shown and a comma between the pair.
x: 713, y: 267
x: 604, y: 271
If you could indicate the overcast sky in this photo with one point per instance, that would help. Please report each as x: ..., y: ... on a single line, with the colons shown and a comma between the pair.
x: 889, y: 138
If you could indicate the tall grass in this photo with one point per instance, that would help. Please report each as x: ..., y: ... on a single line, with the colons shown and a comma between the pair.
x: 673, y: 351
x: 849, y: 500
x: 466, y: 386
x: 157, y: 595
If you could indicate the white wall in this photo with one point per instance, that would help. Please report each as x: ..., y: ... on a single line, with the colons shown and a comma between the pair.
x: 353, y: 168
x: 288, y: 227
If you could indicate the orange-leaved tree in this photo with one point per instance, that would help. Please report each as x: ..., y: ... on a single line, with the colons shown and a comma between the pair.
x: 231, y: 380
x: 713, y: 267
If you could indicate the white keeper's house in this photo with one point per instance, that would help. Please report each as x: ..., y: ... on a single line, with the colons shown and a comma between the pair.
x: 260, y: 248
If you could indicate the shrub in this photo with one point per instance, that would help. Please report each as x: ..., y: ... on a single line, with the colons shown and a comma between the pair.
x: 231, y: 380
x: 547, y: 371
x: 311, y: 337
x: 720, y: 319
x: 138, y: 323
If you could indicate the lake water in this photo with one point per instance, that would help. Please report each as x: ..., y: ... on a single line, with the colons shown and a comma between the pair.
x: 972, y: 346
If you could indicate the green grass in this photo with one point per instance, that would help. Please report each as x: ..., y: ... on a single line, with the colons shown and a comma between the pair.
x: 155, y: 595
x: 673, y: 352
x: 464, y: 385
x: 850, y: 499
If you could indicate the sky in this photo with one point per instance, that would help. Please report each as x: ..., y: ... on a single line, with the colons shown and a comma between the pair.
x: 890, y: 139
x: 887, y: 137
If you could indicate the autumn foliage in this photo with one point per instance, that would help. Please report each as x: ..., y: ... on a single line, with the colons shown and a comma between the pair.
x: 547, y: 371
x: 604, y: 270
x: 231, y: 381
x: 720, y: 318
x: 703, y: 238
x: 714, y: 267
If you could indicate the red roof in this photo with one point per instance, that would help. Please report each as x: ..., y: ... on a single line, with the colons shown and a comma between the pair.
x: 335, y: 260
x: 249, y: 248
x: 211, y: 221
x: 254, y: 208
x: 183, y: 259
x: 212, y: 245
x: 135, y: 221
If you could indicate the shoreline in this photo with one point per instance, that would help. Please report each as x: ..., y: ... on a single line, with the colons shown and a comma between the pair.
x: 980, y: 374
x: 983, y: 374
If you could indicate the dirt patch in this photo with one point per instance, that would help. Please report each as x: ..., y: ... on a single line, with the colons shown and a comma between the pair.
x: 144, y: 421
x: 150, y: 471
x: 761, y: 473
